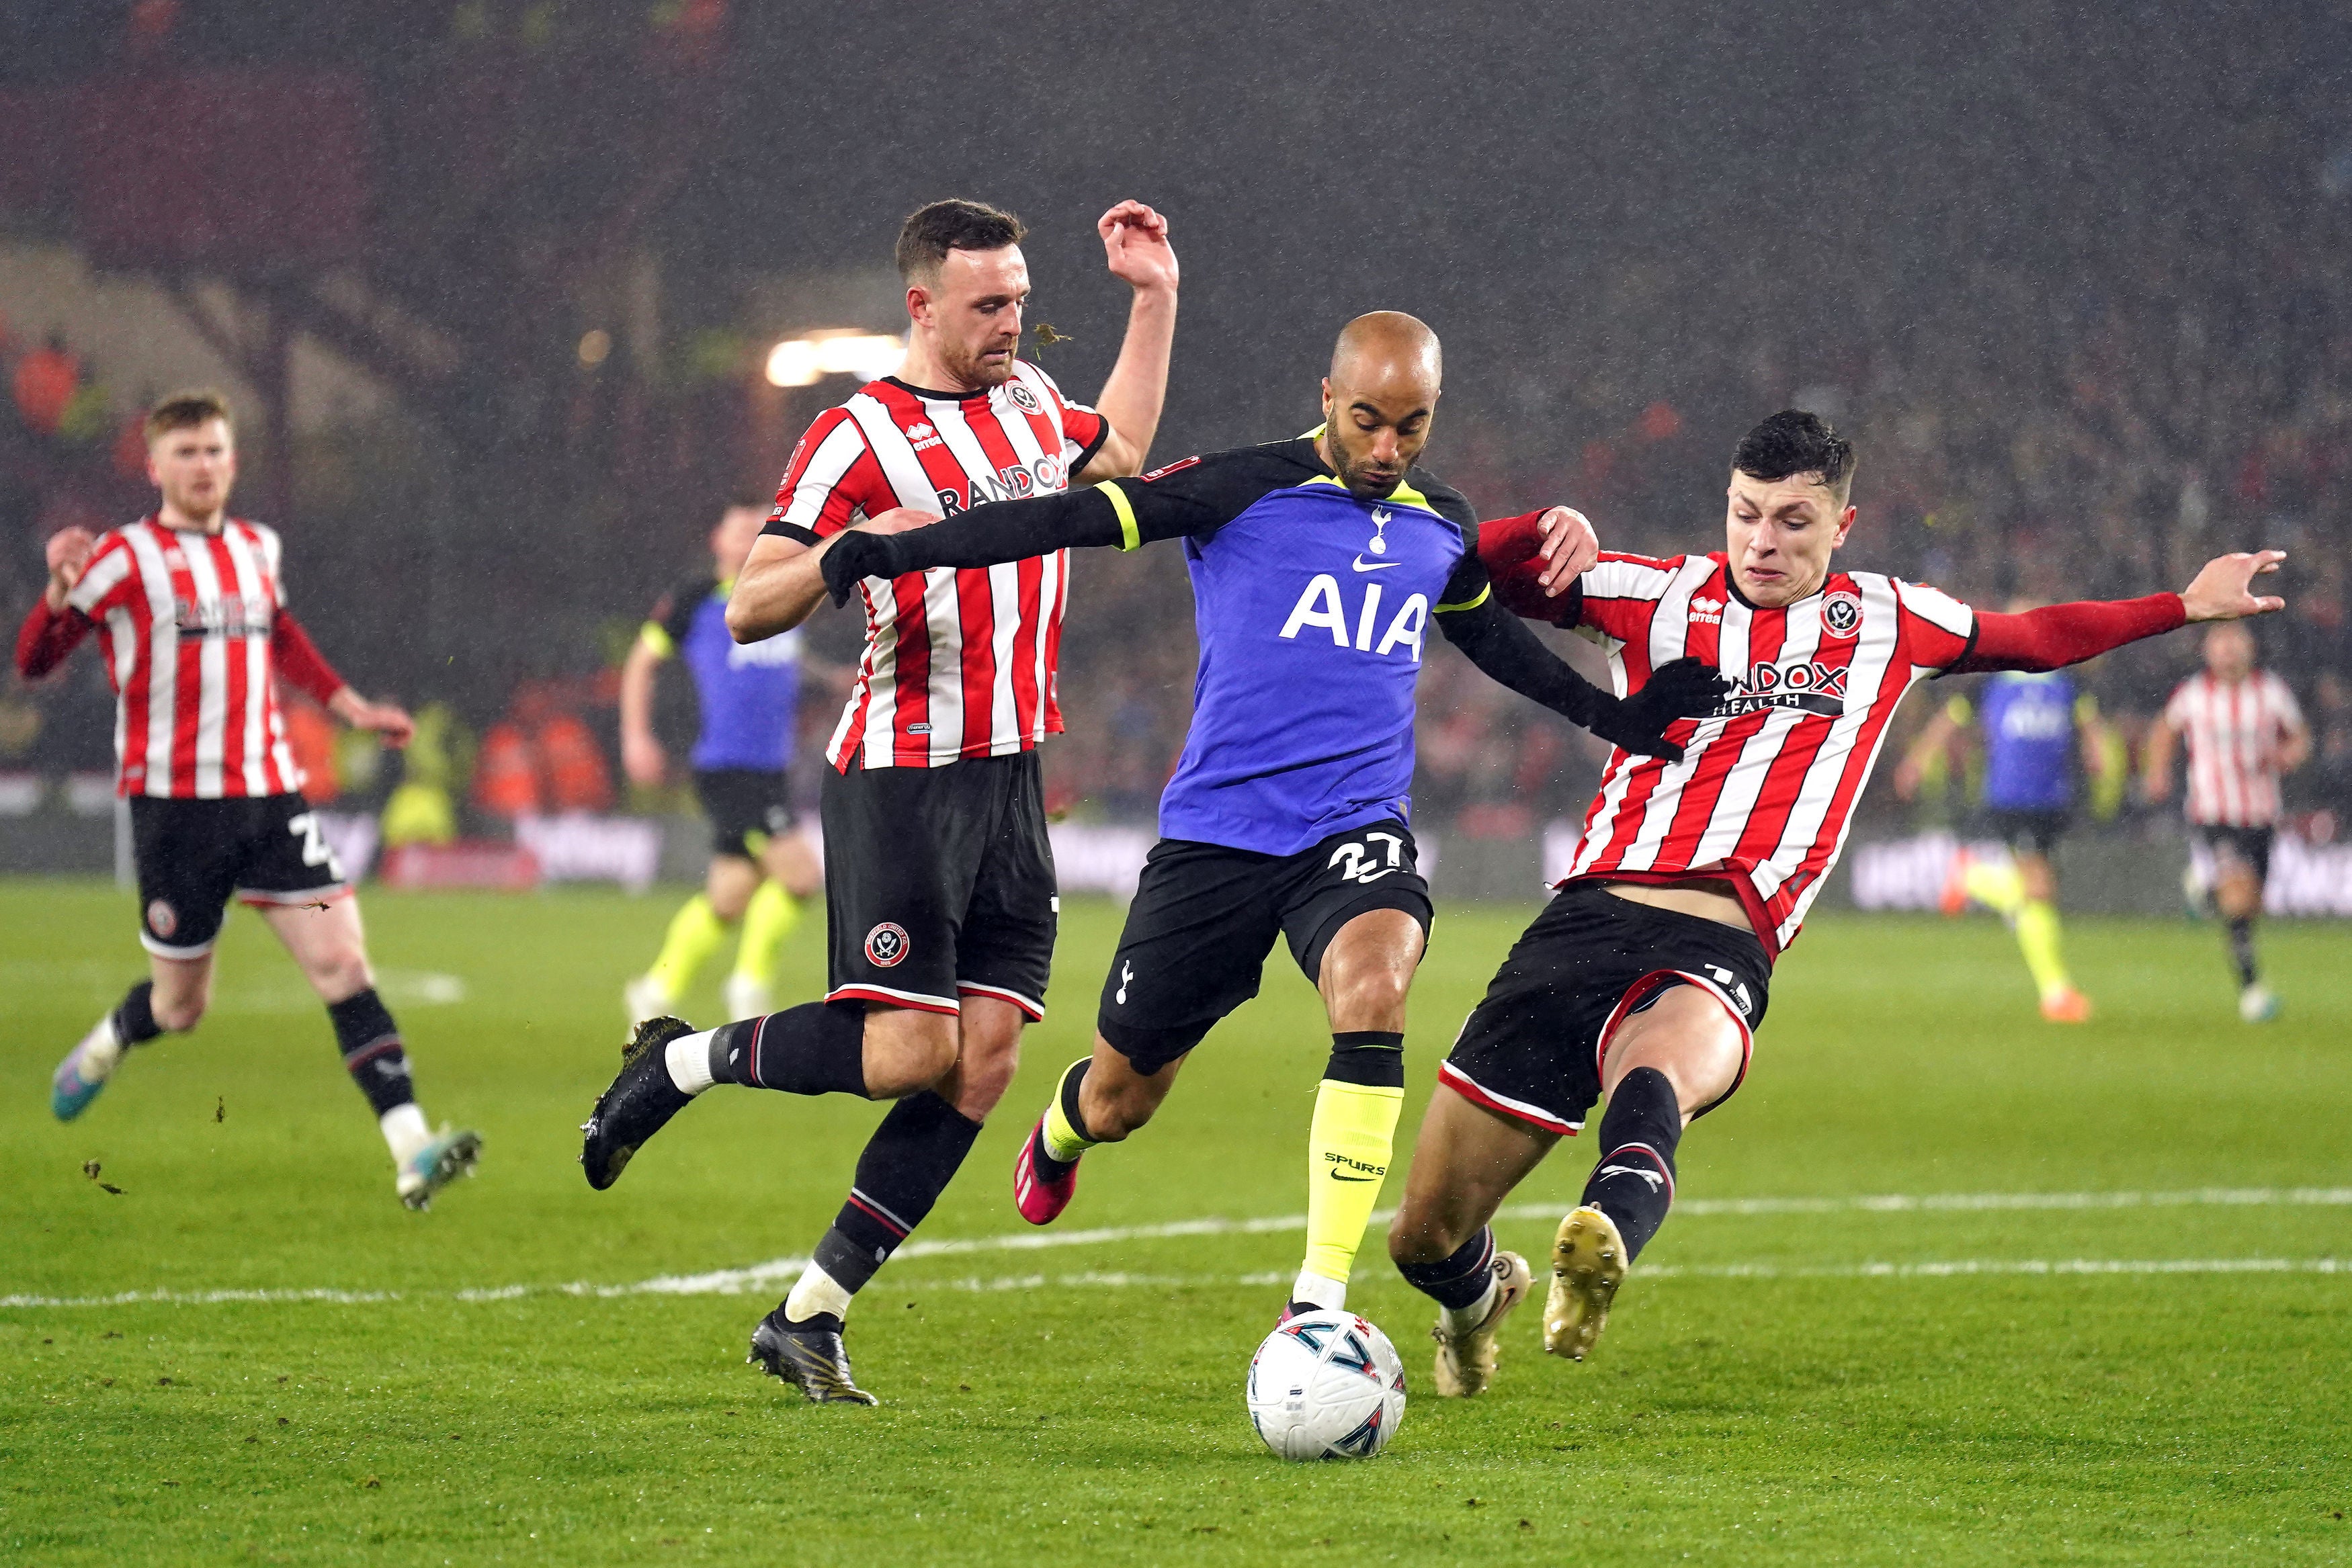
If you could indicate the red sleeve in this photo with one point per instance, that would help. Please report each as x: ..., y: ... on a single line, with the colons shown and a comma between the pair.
x: 1511, y: 550
x: 300, y: 661
x: 2057, y: 635
x: 46, y: 637
x: 832, y: 475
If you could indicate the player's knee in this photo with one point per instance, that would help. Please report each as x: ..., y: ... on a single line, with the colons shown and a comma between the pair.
x: 1114, y: 1110
x: 338, y: 974
x: 903, y: 1057
x: 1368, y: 987
x: 1418, y: 1235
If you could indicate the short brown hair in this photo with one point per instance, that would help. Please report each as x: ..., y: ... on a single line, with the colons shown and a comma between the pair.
x: 186, y: 411
x: 930, y: 233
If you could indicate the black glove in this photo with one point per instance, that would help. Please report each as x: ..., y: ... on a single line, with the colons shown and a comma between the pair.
x: 854, y: 557
x: 1682, y: 689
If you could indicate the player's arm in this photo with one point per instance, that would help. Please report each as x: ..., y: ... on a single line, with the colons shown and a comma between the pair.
x: 298, y: 659
x: 55, y: 627
x: 1934, y: 736
x: 1503, y: 647
x: 641, y: 753
x: 1193, y: 499
x: 2057, y: 635
x: 2156, y: 765
x: 783, y: 578
x: 2092, y: 735
x: 1135, y: 244
x: 2294, y: 741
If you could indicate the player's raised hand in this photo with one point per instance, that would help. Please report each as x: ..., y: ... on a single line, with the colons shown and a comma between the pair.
x: 1685, y: 688
x: 68, y: 553
x: 1569, y: 549
x: 1135, y: 244
x: 2224, y: 590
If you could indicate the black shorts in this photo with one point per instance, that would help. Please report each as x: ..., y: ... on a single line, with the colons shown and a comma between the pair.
x: 193, y: 856
x: 938, y: 883
x: 2249, y: 847
x: 1206, y: 916
x: 2030, y: 832
x: 1533, y: 1048
x: 746, y: 808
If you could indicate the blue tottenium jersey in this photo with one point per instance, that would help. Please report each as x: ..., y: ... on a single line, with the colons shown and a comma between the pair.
x: 750, y: 693
x: 2028, y: 730
x: 1313, y: 608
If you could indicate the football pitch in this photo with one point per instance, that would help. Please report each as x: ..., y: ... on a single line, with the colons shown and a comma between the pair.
x: 1946, y: 1284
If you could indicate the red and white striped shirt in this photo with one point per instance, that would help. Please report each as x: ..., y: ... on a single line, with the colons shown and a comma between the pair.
x: 1766, y: 786
x: 957, y: 663
x: 184, y: 619
x: 2234, y: 730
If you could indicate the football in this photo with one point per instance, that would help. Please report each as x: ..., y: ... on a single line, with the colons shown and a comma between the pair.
x: 1326, y: 1386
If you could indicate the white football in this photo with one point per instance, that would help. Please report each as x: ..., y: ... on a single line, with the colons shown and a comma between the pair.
x: 1326, y: 1386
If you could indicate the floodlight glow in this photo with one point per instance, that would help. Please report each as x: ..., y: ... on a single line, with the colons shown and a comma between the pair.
x: 805, y: 360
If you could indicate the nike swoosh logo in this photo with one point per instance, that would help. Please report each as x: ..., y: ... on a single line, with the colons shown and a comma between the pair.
x: 1337, y: 1176
x: 1376, y: 876
x: 1363, y: 565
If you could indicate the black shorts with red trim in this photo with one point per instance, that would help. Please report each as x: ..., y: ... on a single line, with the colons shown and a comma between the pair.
x: 1206, y: 916
x: 1533, y: 1047
x: 938, y: 883
x: 193, y: 856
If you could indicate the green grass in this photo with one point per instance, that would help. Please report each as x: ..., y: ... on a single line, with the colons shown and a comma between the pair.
x: 1797, y: 1415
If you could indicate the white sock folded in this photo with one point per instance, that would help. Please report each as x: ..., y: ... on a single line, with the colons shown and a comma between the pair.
x: 405, y: 1131
x: 1462, y: 1319
x: 818, y: 1291
x: 1328, y: 1293
x: 688, y: 1057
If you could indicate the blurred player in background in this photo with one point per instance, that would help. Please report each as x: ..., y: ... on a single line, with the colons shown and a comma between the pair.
x: 1643, y: 979
x: 1320, y: 566
x: 2244, y: 732
x: 940, y: 893
x: 749, y: 699
x: 2035, y: 727
x: 190, y: 609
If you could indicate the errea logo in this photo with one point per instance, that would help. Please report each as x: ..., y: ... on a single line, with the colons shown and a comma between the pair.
x: 923, y: 435
x: 1706, y: 611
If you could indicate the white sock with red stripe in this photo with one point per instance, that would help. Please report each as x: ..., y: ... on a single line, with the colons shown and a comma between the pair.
x: 1634, y: 1182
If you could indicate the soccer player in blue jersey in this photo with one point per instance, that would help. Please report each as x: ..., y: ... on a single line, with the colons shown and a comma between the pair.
x: 2035, y: 727
x: 760, y: 867
x: 1320, y: 567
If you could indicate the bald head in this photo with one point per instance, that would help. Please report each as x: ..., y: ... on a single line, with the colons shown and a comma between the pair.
x: 1386, y: 346
x: 1379, y: 398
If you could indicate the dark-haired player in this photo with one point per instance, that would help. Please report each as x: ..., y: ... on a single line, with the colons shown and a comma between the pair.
x: 1320, y: 566
x: 2244, y: 731
x: 1643, y: 980
x: 940, y: 889
x: 748, y: 699
x: 190, y: 609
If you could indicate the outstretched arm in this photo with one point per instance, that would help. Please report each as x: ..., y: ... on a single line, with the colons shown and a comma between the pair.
x: 2057, y: 635
x: 1135, y: 244
x: 1935, y: 735
x: 985, y: 536
x: 299, y: 659
x: 1502, y: 644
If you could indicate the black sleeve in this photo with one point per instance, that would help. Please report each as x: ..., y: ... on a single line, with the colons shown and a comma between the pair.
x: 1501, y: 644
x: 1196, y: 496
x: 674, y: 612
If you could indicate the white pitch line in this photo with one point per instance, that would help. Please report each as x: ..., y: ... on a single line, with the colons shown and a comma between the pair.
x: 759, y: 1276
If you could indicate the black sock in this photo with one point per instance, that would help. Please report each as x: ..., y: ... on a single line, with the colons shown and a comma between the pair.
x: 1371, y: 1057
x: 134, y: 1019
x: 1459, y: 1281
x: 817, y: 1047
x: 1634, y: 1183
x: 907, y: 1163
x: 1050, y: 1169
x: 2242, y: 948
x: 373, y: 1054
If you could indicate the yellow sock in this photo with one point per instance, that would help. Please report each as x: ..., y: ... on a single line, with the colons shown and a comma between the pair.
x: 696, y: 932
x: 1995, y: 885
x: 768, y: 919
x: 1348, y: 1147
x: 1063, y: 1141
x: 2037, y: 934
